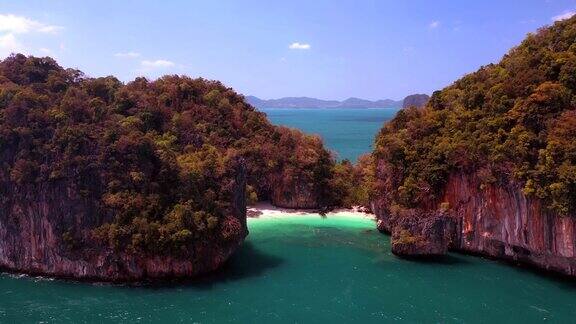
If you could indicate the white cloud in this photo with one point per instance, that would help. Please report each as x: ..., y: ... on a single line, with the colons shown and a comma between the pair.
x: 12, y: 25
x: 9, y: 44
x: 564, y: 16
x: 46, y: 51
x: 155, y: 68
x: 299, y: 46
x: 156, y: 64
x: 22, y: 25
x: 434, y: 24
x: 127, y: 54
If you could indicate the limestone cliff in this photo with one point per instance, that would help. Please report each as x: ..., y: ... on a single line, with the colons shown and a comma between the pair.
x: 106, y: 180
x: 296, y: 196
x: 493, y: 220
x: 501, y: 222
x: 491, y: 157
x: 47, y: 229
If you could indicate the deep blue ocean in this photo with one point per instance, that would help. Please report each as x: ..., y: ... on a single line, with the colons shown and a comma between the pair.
x: 348, y: 132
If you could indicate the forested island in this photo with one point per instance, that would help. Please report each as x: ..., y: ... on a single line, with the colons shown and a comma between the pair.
x: 150, y: 179
x: 488, y: 166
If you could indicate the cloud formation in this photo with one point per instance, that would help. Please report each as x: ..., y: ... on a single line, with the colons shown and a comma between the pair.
x: 8, y: 44
x: 22, y: 25
x: 12, y: 25
x: 154, y: 68
x: 299, y: 46
x: 434, y: 24
x: 564, y: 16
x: 157, y: 64
x: 127, y: 54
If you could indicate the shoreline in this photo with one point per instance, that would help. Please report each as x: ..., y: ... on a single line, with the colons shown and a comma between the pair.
x: 265, y: 210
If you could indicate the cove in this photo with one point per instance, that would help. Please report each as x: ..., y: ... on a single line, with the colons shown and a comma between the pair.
x: 308, y: 269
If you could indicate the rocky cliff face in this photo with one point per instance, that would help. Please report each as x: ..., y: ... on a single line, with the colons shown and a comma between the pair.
x: 47, y: 229
x: 501, y: 222
x: 492, y: 220
x: 422, y: 235
x: 294, y: 194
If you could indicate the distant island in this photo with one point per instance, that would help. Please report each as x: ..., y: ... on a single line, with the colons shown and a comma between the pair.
x: 416, y: 100
x: 307, y: 102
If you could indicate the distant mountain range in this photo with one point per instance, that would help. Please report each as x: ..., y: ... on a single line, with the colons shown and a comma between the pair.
x: 306, y: 102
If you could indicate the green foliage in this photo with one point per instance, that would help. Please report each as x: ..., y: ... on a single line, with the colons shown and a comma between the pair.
x: 508, y: 122
x: 158, y: 159
x: 251, y: 195
x: 354, y: 185
x: 405, y: 237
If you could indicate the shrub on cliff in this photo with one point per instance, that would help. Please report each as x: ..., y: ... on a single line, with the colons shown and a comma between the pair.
x: 158, y: 159
x: 353, y: 184
x: 511, y: 121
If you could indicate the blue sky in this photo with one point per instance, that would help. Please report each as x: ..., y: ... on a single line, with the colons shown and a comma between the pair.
x: 324, y: 49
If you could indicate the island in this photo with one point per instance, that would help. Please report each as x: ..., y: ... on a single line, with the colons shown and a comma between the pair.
x: 307, y: 102
x: 488, y: 165
x: 147, y: 180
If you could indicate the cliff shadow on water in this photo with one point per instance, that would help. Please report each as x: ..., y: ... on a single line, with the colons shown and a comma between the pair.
x: 446, y: 259
x: 247, y: 262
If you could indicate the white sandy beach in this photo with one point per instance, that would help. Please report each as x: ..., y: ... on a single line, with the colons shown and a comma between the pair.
x: 264, y: 210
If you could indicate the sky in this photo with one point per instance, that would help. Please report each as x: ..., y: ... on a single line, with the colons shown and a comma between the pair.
x: 271, y: 49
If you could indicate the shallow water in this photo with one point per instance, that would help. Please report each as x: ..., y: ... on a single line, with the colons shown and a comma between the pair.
x: 348, y: 132
x: 308, y: 269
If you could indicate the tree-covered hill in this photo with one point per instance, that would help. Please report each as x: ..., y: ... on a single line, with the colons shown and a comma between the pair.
x: 154, y: 163
x: 514, y: 121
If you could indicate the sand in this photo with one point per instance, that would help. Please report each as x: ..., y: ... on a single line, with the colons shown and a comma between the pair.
x: 267, y: 211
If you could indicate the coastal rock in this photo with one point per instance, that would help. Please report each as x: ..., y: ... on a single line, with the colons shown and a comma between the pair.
x: 500, y: 221
x: 294, y: 195
x: 422, y: 235
x: 497, y: 221
x: 382, y: 226
x: 47, y: 229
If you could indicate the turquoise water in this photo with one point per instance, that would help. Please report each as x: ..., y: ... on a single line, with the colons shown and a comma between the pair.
x: 308, y: 270
x: 347, y: 132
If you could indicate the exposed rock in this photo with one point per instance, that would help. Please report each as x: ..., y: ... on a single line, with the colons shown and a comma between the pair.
x: 46, y: 229
x: 382, y: 226
x: 294, y: 195
x: 422, y: 234
x: 493, y: 220
x: 501, y: 222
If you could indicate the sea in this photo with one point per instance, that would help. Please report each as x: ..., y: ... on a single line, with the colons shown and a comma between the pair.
x: 347, y: 132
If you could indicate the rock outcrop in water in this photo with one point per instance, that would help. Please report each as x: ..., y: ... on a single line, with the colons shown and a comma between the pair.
x: 488, y: 165
x: 422, y: 235
x: 496, y: 221
x: 37, y: 221
x: 500, y: 221
x: 139, y: 181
